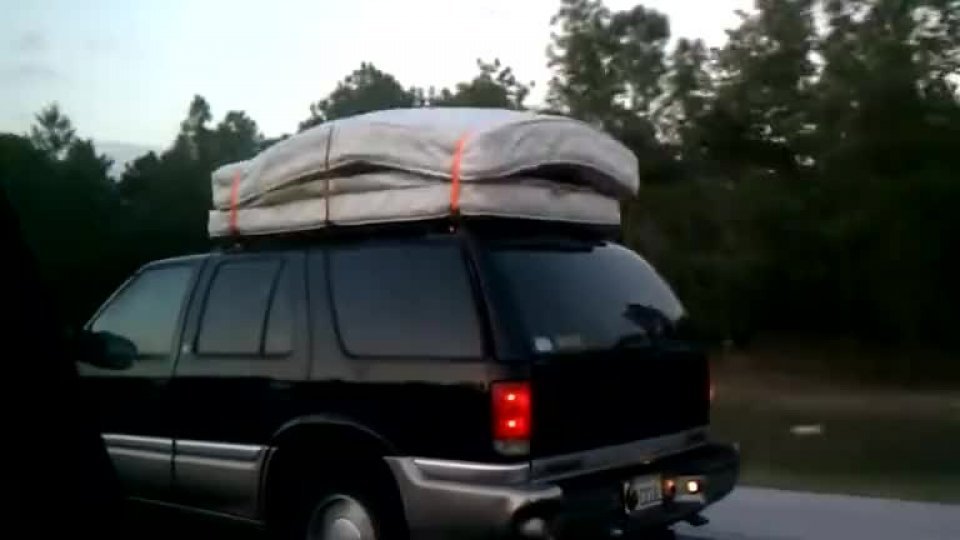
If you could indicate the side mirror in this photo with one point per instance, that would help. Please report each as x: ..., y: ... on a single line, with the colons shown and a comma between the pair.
x: 105, y: 350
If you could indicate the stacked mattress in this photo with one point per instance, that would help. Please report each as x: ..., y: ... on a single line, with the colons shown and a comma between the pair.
x: 417, y: 164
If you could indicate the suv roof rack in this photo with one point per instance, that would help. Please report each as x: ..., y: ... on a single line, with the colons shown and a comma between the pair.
x: 491, y: 226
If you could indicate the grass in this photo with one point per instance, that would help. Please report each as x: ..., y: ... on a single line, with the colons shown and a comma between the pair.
x: 813, y: 433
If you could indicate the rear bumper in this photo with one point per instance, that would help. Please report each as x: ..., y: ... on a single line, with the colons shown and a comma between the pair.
x: 473, y: 500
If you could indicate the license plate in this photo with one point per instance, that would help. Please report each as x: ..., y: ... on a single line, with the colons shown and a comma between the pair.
x: 641, y: 493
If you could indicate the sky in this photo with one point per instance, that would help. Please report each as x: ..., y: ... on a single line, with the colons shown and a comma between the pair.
x: 125, y: 71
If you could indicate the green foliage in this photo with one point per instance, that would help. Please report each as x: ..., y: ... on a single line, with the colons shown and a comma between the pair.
x: 608, y: 68
x: 53, y: 132
x: 809, y: 161
x: 495, y: 86
x: 607, y: 64
x: 167, y: 196
x: 89, y: 232
x: 66, y: 208
x: 760, y: 124
x: 237, y: 137
x: 366, y: 89
x: 688, y: 92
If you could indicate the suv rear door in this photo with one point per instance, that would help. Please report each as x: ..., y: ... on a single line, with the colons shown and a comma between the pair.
x: 608, y: 365
x: 406, y: 320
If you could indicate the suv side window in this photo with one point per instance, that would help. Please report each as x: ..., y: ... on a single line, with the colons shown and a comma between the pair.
x: 238, y: 311
x: 404, y: 298
x: 147, y: 310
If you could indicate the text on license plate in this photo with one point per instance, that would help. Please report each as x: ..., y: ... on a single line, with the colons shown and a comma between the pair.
x: 642, y: 492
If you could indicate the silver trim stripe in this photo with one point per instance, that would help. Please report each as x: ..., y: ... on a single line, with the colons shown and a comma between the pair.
x: 137, y: 442
x: 190, y: 448
x: 467, y: 465
x: 239, y: 452
x: 471, y: 472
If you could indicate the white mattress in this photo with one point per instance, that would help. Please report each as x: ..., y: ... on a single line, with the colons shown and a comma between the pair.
x: 518, y: 198
x: 397, y: 165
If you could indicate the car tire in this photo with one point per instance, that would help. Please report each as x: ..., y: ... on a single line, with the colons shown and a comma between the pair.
x: 340, y: 516
x: 344, y: 506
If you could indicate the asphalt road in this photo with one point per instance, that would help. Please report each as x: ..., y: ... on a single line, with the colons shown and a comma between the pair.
x: 769, y: 514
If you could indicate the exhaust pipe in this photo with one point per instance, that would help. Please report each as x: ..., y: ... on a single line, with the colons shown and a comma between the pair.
x: 534, y: 528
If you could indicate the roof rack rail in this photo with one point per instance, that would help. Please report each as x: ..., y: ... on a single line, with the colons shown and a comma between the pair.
x: 445, y: 225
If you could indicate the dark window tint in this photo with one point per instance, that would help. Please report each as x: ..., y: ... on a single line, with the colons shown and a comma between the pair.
x: 404, y: 299
x: 236, y: 308
x: 147, y: 310
x: 279, y: 337
x: 575, y: 295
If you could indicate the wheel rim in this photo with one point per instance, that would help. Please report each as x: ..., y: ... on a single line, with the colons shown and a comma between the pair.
x: 340, y: 517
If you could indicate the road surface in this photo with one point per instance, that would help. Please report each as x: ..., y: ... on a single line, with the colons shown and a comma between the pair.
x: 770, y: 514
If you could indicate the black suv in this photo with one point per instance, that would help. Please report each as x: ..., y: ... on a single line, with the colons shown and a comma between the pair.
x: 467, y: 380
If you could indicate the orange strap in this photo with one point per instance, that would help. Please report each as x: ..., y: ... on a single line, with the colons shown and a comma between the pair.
x: 234, y: 194
x: 455, y: 175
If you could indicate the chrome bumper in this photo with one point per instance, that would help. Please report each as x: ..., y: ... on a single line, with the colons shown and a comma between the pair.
x: 453, y: 499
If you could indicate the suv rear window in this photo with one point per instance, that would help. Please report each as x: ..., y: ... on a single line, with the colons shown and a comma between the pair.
x: 574, y: 295
x: 404, y: 298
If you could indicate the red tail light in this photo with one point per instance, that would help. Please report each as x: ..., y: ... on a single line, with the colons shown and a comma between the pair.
x: 511, y: 408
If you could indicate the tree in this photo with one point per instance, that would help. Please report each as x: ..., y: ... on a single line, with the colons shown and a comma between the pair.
x: 495, y: 86
x: 607, y: 64
x: 53, y: 133
x: 760, y: 121
x: 366, y: 89
x: 237, y: 137
x: 688, y: 89
x: 67, y: 207
x: 86, y: 167
x: 607, y: 71
x: 887, y: 118
x: 167, y: 196
x: 688, y: 94
x: 878, y: 53
x: 194, y: 138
